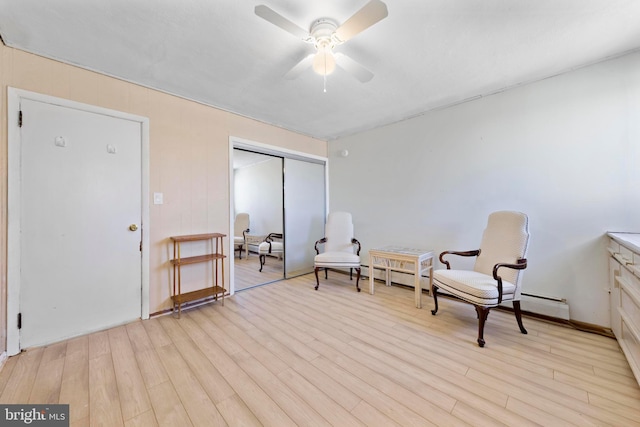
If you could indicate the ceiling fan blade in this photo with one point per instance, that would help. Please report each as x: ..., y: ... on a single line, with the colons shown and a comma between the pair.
x: 300, y: 67
x: 371, y: 13
x: 353, y: 68
x: 278, y: 20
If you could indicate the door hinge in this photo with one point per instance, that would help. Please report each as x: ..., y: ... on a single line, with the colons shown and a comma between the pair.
x: 20, y: 118
x: 19, y: 320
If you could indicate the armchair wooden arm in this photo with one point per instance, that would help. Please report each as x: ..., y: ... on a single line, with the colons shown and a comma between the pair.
x: 459, y: 253
x: 521, y: 264
x: 356, y: 242
x: 270, y: 238
x: 324, y: 240
x: 319, y: 242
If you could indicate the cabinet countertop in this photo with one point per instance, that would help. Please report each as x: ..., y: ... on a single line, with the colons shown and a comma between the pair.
x: 630, y: 240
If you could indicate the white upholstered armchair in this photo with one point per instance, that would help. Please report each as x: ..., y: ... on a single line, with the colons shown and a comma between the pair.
x: 496, y: 276
x: 240, y: 228
x: 340, y: 248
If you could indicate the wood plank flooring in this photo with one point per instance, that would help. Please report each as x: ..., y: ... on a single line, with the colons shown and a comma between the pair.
x: 247, y: 271
x: 286, y: 355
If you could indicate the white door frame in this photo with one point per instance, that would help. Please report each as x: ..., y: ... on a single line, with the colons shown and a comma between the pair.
x: 236, y: 142
x: 14, y: 97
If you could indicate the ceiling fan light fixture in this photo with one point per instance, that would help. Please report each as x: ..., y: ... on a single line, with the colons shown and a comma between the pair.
x: 324, y: 63
x: 325, y: 34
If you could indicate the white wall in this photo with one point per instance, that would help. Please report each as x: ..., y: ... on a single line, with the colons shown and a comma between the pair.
x: 565, y: 150
x: 258, y: 191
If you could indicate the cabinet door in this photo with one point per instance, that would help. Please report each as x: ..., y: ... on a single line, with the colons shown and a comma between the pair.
x: 614, y: 296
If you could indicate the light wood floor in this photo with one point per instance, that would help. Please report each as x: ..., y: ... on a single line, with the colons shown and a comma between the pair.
x: 247, y: 271
x: 285, y: 355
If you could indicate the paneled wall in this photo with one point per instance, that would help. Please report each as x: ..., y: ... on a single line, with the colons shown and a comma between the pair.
x: 189, y: 154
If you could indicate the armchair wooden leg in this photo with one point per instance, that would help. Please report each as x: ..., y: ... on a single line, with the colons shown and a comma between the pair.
x: 240, y: 252
x: 483, y: 312
x: 351, y: 274
x: 315, y: 270
x: 478, y: 315
x: 263, y: 259
x: 326, y: 273
x: 434, y: 291
x: 516, y: 310
x: 358, y: 279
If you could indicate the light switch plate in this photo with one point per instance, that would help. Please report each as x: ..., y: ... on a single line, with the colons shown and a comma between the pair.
x: 157, y: 198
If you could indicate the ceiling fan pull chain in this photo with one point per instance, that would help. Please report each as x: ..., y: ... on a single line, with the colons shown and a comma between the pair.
x: 325, y: 73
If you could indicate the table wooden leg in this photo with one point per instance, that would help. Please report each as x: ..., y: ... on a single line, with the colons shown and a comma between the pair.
x: 371, y: 279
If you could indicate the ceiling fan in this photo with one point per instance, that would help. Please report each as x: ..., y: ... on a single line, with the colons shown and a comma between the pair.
x: 325, y: 34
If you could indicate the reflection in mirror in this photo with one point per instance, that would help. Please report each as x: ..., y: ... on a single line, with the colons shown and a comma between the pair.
x: 258, y: 192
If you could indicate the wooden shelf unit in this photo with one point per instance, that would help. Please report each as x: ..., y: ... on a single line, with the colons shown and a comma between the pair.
x: 216, y: 257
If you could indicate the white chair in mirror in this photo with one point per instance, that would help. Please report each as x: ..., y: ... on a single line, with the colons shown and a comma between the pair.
x: 273, y: 246
x: 240, y: 229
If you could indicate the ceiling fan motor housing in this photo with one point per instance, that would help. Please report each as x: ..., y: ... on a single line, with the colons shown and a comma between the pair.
x: 323, y: 33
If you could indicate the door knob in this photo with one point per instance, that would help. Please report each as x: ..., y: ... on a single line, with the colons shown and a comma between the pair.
x: 133, y: 227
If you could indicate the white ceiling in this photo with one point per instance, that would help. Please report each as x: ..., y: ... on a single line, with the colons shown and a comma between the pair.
x: 426, y: 54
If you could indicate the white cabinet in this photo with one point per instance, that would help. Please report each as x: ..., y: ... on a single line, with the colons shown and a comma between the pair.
x: 624, y: 282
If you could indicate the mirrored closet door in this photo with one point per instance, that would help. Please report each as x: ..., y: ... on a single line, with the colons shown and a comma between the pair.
x: 285, y: 201
x: 304, y: 207
x: 258, y: 194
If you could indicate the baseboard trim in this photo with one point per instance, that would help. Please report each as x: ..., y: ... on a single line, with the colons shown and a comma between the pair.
x: 580, y: 326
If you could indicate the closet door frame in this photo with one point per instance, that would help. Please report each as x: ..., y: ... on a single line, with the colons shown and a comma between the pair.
x: 258, y: 147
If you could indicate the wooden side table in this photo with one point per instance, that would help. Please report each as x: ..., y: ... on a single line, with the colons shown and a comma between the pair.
x: 406, y: 260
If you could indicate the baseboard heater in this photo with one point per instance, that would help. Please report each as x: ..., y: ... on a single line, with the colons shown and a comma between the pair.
x: 544, y: 305
x: 538, y: 304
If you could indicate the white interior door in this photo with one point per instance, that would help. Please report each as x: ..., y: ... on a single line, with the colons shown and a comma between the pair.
x: 81, y: 192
